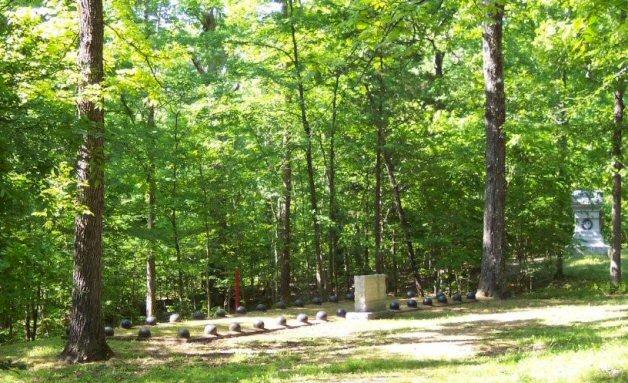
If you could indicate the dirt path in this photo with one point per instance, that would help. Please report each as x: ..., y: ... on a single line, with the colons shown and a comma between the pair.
x: 451, y: 337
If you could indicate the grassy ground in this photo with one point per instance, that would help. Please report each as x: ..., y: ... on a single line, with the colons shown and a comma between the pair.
x: 567, y: 332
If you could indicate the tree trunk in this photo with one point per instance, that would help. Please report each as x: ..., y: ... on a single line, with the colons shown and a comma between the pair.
x: 492, y: 276
x: 380, y: 120
x: 207, y: 232
x: 321, y: 279
x: 35, y: 313
x: 173, y: 214
x: 394, y: 279
x: 27, y: 323
x: 151, y: 291
x: 378, y: 227
x: 403, y: 220
x: 618, y: 165
x: 286, y: 224
x: 563, y: 172
x: 333, y: 202
x: 86, y: 341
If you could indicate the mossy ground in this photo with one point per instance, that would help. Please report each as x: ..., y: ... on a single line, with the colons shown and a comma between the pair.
x: 570, y: 331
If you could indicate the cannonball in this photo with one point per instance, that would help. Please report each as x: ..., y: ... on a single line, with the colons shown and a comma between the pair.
x: 109, y: 331
x: 299, y: 302
x: 427, y: 301
x: 333, y: 298
x: 350, y: 296
x: 411, y: 294
x: 198, y: 315
x: 151, y: 320
x: 441, y: 298
x: 126, y: 324
x: 281, y: 321
x: 174, y: 318
x: 261, y: 307
x: 235, y: 327
x: 457, y: 297
x: 210, y: 329
x: 394, y: 305
x: 341, y: 313
x: 221, y: 313
x: 412, y: 303
x: 144, y: 332
x: 471, y: 295
x: 258, y: 324
x: 321, y: 315
x: 183, y: 333
x: 241, y: 310
x: 281, y: 305
x: 302, y: 318
x: 317, y: 301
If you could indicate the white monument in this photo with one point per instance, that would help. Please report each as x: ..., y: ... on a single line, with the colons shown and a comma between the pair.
x: 587, y: 236
x: 370, y: 297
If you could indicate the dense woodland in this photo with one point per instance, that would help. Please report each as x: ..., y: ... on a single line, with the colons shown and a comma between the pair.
x: 301, y: 142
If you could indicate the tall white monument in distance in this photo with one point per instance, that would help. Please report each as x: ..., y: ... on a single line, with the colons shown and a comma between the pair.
x: 587, y: 235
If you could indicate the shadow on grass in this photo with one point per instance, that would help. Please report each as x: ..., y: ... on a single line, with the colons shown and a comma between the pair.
x: 281, y: 368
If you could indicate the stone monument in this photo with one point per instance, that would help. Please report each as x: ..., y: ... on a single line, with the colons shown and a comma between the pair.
x: 370, y: 297
x: 587, y: 236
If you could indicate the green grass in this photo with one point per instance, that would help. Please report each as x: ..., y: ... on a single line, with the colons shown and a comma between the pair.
x: 571, y: 331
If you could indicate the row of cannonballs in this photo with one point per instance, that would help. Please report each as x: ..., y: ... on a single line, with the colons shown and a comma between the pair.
x: 297, y: 303
x: 427, y: 301
x: 144, y: 331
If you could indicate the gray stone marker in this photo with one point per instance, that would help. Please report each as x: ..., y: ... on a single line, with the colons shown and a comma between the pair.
x: 370, y: 297
x: 587, y: 236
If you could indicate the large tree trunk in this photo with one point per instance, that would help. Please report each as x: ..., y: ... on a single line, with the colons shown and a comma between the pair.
x: 151, y: 291
x: 286, y: 224
x: 86, y: 340
x: 492, y: 276
x: 618, y: 166
x: 321, y: 279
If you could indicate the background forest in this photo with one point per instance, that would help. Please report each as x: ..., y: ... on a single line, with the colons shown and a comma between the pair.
x: 302, y: 142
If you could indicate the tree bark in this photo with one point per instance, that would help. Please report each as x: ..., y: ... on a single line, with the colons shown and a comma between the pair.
x: 86, y: 340
x: 286, y: 224
x: 173, y: 213
x: 491, y: 282
x: 563, y: 172
x: 206, y: 228
x: 333, y: 201
x: 321, y: 278
x: 615, y: 267
x: 378, y: 227
x: 151, y: 291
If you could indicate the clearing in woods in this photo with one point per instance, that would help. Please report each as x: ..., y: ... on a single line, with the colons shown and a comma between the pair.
x: 570, y: 332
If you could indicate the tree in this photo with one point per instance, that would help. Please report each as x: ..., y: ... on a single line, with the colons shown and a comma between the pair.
x: 321, y: 276
x: 618, y: 165
x: 86, y: 340
x: 492, y: 275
